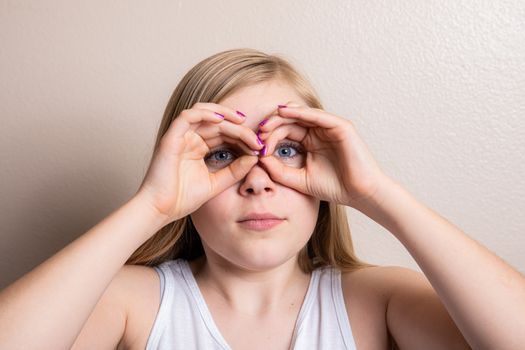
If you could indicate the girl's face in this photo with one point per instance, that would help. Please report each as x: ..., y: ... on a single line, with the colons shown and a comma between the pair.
x: 225, y: 238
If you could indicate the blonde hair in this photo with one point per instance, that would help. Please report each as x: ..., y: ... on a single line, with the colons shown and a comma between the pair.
x: 212, y: 80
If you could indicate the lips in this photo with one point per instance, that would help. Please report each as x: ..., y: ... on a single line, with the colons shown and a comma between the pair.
x: 260, y: 221
x: 260, y: 216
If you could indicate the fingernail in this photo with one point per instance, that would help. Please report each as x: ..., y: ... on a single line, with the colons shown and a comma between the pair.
x: 241, y: 114
x: 255, y: 153
x: 263, y: 151
x: 219, y: 115
x: 259, y: 137
x: 263, y: 122
x: 281, y: 106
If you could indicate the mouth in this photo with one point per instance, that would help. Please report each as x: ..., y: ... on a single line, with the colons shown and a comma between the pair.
x: 260, y: 224
x: 260, y: 216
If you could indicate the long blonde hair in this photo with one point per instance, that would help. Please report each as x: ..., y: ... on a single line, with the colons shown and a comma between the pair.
x: 212, y: 80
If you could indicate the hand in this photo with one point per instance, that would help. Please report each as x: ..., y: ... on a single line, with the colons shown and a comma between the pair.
x: 338, y: 167
x: 178, y: 180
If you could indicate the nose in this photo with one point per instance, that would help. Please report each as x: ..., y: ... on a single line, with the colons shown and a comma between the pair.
x: 257, y: 181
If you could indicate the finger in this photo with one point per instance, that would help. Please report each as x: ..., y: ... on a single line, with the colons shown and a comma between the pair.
x: 313, y: 116
x: 190, y: 119
x: 233, y: 131
x: 229, y: 114
x: 285, y: 175
x: 274, y: 121
x: 292, y: 132
x: 231, y: 174
x: 229, y: 142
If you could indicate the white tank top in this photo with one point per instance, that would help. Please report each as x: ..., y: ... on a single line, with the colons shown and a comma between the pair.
x: 185, y: 322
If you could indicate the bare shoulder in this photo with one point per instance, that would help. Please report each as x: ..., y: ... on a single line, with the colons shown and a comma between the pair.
x: 114, y: 323
x: 404, y: 304
x: 140, y: 288
x: 132, y: 274
x: 376, y: 285
x: 367, y: 292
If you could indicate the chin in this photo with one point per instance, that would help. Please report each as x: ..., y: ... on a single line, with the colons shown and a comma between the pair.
x: 253, y: 255
x: 261, y: 260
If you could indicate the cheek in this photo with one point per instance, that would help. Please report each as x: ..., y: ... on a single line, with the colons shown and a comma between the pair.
x: 302, y: 200
x: 297, y: 162
x: 306, y: 209
x: 212, y: 213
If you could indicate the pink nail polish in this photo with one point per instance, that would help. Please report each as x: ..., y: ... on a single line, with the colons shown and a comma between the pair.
x: 263, y: 122
x: 219, y: 115
x: 281, y: 106
x: 261, y: 142
x: 263, y: 151
x: 241, y: 114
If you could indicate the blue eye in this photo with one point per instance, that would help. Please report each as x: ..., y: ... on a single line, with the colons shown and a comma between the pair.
x: 288, y: 150
x: 219, y: 156
x: 222, y: 156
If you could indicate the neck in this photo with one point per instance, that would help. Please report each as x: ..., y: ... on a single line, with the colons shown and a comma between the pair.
x: 249, y: 292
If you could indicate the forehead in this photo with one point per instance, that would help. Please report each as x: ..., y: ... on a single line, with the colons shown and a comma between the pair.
x: 260, y: 100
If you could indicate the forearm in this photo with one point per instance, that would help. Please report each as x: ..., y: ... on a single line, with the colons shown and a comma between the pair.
x: 483, y: 294
x: 47, y: 307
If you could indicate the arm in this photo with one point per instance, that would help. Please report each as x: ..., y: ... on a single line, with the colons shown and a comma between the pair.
x: 47, y: 307
x: 415, y: 316
x: 53, y: 301
x: 484, y: 295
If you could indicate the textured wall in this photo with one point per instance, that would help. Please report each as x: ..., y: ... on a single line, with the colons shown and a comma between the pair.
x: 436, y: 89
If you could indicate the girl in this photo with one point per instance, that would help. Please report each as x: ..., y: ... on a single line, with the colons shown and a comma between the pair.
x: 237, y: 239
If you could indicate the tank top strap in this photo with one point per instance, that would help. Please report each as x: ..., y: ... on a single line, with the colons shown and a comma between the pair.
x: 167, y: 285
x: 183, y: 317
x: 340, y: 308
x: 323, y: 322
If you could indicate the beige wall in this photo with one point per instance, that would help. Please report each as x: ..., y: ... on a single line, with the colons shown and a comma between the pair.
x: 436, y: 88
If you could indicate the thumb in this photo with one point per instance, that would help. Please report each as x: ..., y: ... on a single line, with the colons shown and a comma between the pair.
x: 286, y: 175
x: 233, y: 173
